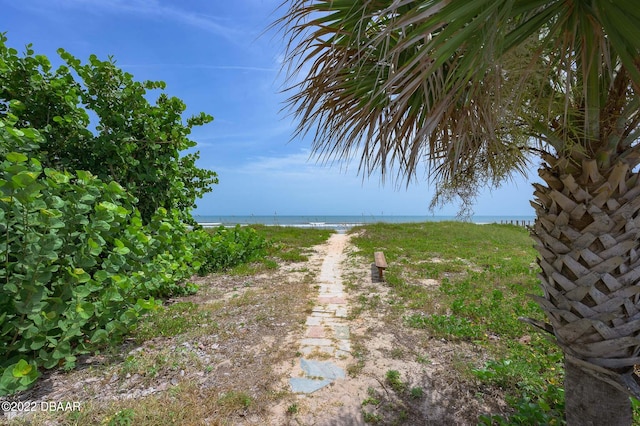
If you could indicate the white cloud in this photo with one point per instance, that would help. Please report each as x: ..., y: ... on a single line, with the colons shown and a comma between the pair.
x: 302, y: 165
x: 202, y: 66
x: 154, y: 9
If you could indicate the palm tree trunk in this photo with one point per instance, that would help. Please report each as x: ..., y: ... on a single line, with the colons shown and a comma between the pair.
x: 590, y: 401
x: 587, y: 233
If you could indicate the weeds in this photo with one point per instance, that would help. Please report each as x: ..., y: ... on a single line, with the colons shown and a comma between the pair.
x: 387, y: 407
x: 416, y: 393
x: 371, y: 399
x: 358, y: 351
x: 423, y: 359
x: 122, y: 418
x: 393, y: 379
x: 233, y: 401
x: 371, y: 417
x: 534, y: 407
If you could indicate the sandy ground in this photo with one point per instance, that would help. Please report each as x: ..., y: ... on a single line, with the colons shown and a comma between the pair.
x: 378, y: 346
x: 256, y: 347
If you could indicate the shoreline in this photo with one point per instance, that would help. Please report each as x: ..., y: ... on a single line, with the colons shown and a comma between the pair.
x: 343, y: 223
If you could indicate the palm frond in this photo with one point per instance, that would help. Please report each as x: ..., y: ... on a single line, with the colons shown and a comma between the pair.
x: 452, y: 81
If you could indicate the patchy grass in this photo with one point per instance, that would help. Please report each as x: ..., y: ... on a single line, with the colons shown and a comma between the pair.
x: 172, y: 320
x: 389, y: 405
x: 467, y: 283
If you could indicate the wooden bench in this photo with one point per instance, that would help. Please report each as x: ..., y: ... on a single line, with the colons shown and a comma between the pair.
x: 381, y: 263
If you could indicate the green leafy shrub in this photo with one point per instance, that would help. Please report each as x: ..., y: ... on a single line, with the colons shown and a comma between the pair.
x: 78, y: 265
x: 227, y: 247
x: 127, y: 139
x: 85, y: 253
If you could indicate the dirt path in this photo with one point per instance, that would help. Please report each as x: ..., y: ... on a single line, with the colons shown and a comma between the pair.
x: 350, y: 297
x: 347, y: 343
x: 327, y: 332
x: 326, y: 395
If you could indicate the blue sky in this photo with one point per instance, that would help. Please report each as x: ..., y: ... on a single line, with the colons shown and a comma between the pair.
x: 218, y: 57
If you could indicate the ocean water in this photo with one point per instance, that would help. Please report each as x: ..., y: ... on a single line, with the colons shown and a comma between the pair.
x: 344, y: 222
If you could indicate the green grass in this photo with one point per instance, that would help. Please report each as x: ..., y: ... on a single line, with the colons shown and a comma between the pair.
x: 291, y: 244
x: 122, y: 418
x: 172, y: 320
x: 484, y: 274
x: 447, y: 326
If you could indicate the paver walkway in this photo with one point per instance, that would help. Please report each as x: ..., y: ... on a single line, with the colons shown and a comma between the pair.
x: 326, y: 341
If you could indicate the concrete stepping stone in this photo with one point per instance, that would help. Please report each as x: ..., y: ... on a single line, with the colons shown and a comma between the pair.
x: 341, y: 313
x: 319, y: 374
x: 325, y: 369
x: 316, y: 331
x: 311, y: 321
x: 315, y: 341
x: 318, y: 350
x: 304, y: 385
x: 341, y: 332
x: 331, y: 300
x: 326, y: 333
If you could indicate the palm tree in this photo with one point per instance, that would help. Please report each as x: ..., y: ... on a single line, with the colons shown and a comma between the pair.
x: 475, y: 88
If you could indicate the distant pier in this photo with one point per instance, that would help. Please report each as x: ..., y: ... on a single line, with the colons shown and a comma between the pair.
x: 525, y: 223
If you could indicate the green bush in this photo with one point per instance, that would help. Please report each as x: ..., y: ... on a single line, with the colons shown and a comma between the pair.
x: 81, y: 255
x: 78, y: 264
x: 96, y: 117
x: 228, y: 247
